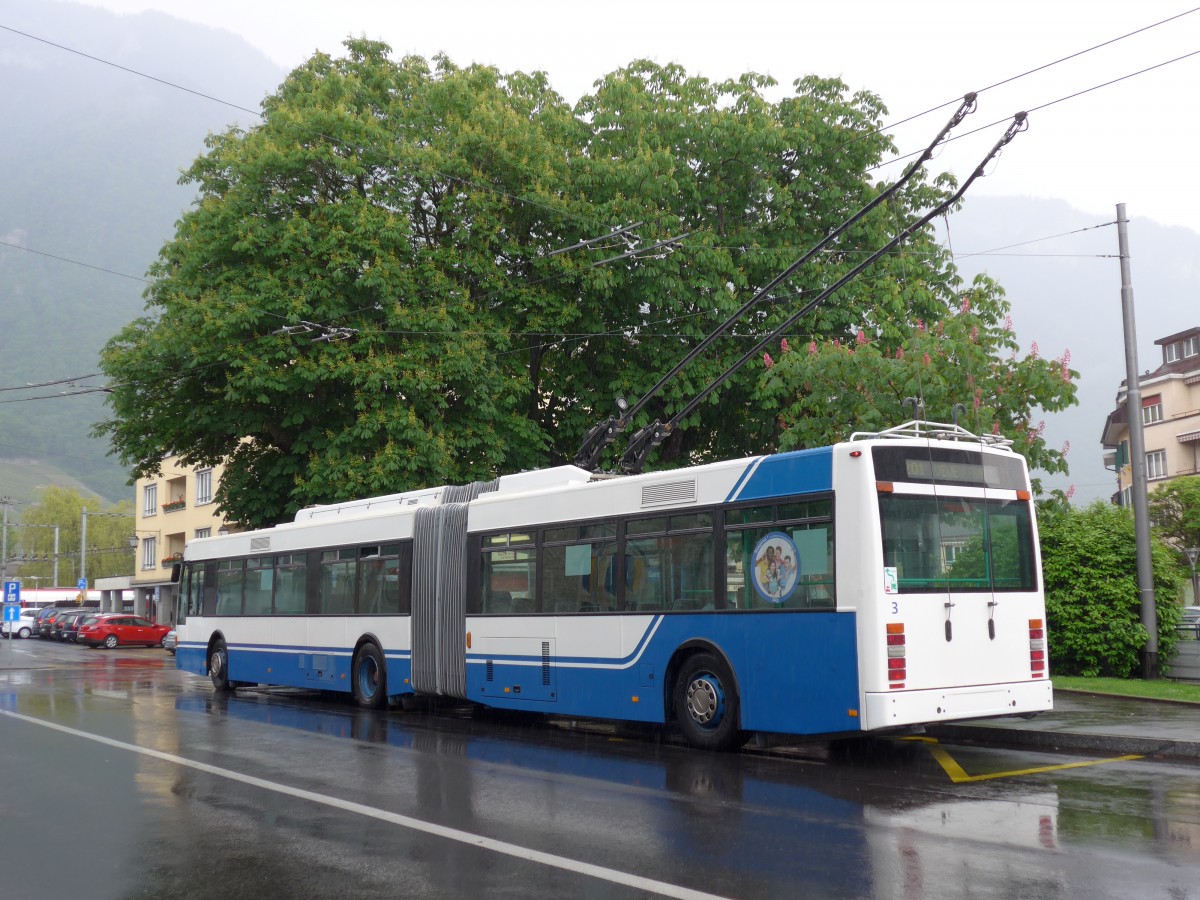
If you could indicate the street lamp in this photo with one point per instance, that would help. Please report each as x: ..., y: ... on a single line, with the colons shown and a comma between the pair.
x: 1193, y: 554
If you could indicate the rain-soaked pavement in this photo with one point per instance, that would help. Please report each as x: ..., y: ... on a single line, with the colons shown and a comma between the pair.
x: 126, y: 778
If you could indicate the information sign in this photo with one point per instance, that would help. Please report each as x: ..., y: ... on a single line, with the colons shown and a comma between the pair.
x: 12, y: 592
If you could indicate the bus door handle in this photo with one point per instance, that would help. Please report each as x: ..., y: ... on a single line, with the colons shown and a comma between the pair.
x: 949, y: 627
x: 992, y: 604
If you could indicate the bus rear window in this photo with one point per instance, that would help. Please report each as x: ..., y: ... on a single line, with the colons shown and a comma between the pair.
x: 957, y: 544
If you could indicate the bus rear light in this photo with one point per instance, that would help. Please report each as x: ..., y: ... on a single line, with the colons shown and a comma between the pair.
x: 897, y: 665
x: 1037, y: 648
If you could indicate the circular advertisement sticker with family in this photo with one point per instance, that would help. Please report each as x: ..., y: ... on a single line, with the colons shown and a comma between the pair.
x: 776, y: 567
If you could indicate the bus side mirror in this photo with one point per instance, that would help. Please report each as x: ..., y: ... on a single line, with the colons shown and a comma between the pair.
x: 175, y: 570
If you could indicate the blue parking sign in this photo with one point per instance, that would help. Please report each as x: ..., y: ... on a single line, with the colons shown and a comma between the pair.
x: 12, y: 592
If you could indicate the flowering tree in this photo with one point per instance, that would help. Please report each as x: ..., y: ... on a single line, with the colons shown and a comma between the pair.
x: 824, y: 389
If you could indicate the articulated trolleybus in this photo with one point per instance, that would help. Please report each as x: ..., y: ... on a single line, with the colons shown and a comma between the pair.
x: 888, y: 581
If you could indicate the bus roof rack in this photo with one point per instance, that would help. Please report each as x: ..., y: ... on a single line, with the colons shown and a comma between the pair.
x: 941, y: 431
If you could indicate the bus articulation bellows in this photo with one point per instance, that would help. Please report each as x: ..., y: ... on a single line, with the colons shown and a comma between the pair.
x: 888, y: 581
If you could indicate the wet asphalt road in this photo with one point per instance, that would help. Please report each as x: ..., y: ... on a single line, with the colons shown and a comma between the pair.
x: 126, y: 778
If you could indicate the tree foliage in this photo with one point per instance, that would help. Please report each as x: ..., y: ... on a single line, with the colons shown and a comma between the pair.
x: 108, y: 531
x: 367, y: 296
x: 969, y: 355
x: 1175, y: 511
x: 1093, y: 607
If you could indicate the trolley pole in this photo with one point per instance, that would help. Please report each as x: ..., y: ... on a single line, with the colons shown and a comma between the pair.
x: 1137, y: 458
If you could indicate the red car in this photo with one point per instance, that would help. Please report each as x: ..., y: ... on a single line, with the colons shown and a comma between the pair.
x: 115, y: 629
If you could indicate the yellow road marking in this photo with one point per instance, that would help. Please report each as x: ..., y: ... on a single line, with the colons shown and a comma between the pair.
x: 959, y: 776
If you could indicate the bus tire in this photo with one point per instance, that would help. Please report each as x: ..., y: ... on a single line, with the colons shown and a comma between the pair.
x: 706, y: 704
x: 218, y: 667
x: 368, y: 679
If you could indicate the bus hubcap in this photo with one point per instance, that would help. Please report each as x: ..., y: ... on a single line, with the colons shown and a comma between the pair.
x: 368, y: 677
x: 705, y: 700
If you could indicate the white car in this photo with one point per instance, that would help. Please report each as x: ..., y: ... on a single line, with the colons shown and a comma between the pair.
x: 25, y: 627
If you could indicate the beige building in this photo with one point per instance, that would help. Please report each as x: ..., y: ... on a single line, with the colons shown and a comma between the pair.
x: 1170, y: 418
x: 171, y: 509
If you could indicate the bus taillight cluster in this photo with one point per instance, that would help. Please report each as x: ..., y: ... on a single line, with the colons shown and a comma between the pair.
x: 895, y: 654
x: 1037, y: 648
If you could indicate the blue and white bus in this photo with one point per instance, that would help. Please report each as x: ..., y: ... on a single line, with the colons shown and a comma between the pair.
x: 891, y: 580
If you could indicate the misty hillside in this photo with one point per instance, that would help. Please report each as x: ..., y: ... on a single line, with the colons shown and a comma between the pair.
x: 1066, y: 294
x: 92, y: 158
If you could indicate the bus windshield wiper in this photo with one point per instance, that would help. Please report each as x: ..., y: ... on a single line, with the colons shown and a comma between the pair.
x: 649, y: 437
x: 604, y: 433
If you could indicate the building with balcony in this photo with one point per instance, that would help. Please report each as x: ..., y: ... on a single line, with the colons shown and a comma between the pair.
x: 171, y: 509
x: 1170, y: 418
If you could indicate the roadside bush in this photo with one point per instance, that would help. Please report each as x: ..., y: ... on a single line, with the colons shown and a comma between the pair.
x: 1089, y: 557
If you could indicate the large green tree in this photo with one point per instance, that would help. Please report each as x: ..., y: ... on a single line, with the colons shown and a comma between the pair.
x: 368, y: 296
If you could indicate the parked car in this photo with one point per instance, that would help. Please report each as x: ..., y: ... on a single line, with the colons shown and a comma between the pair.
x: 24, y: 627
x: 67, y: 620
x: 116, y: 629
x: 71, y: 623
x: 46, y: 621
x: 169, y: 642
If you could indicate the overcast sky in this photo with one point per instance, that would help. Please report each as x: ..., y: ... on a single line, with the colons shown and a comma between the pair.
x: 1131, y: 142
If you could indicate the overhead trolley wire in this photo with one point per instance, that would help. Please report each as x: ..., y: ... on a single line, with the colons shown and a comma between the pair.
x: 585, y: 243
x: 652, y: 435
x: 604, y: 433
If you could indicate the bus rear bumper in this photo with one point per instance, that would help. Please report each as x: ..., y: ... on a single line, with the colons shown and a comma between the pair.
x: 952, y: 704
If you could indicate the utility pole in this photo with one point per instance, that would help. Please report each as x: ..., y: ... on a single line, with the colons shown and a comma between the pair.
x: 1137, y: 458
x: 6, y: 502
x: 83, y: 551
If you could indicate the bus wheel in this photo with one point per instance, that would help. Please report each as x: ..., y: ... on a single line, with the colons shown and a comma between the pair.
x: 218, y: 667
x: 706, y: 704
x: 369, y: 678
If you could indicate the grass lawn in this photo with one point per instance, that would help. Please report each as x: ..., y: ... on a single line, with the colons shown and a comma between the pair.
x: 1130, y: 687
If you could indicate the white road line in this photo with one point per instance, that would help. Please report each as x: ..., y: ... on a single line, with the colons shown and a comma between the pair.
x: 452, y: 834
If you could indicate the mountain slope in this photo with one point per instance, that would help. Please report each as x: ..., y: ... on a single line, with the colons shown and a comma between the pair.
x: 92, y: 159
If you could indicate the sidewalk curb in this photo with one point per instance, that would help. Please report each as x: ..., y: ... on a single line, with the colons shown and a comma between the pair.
x: 1059, y: 741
